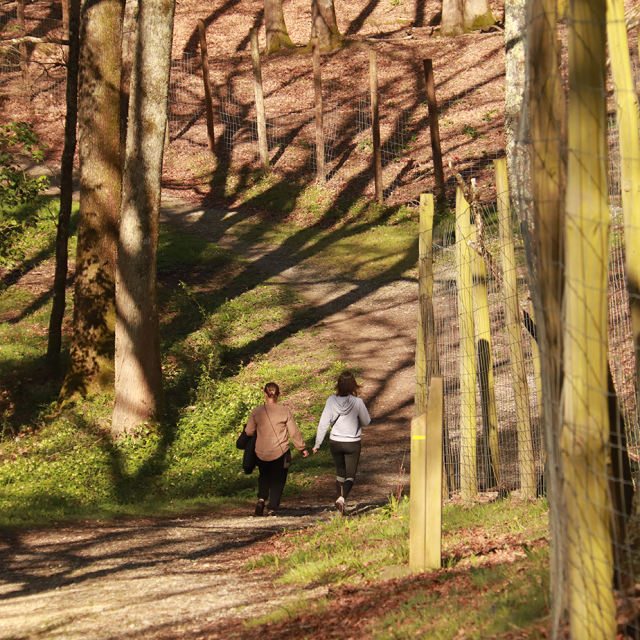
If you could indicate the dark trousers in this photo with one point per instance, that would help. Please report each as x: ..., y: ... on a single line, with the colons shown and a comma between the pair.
x: 272, y: 478
x: 346, y: 456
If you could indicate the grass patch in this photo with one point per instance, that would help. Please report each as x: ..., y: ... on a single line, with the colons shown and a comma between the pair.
x: 350, y: 550
x: 226, y: 329
x: 497, y: 585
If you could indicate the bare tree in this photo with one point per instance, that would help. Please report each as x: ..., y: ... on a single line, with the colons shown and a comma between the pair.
x: 324, y: 26
x: 66, y: 184
x: 138, y: 369
x: 92, y: 344
x: 275, y: 27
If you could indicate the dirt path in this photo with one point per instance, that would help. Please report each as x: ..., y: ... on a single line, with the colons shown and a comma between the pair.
x: 373, y: 326
x: 165, y: 578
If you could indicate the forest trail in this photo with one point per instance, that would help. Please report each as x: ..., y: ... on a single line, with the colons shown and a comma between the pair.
x: 373, y: 325
x: 178, y: 577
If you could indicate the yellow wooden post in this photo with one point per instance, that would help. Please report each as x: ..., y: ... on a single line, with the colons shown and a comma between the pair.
x: 435, y: 424
x: 485, y: 362
x: 526, y: 462
x: 627, y: 116
x: 535, y: 353
x: 585, y: 432
x: 426, y: 354
x: 418, y: 487
x: 468, y: 436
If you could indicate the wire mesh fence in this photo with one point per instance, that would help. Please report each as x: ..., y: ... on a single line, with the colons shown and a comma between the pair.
x: 471, y: 330
x: 581, y: 233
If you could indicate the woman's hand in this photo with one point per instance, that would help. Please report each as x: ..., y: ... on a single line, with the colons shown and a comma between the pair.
x: 315, y: 449
x: 305, y: 453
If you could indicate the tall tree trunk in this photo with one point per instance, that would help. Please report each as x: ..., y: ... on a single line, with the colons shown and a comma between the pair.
x: 515, y: 121
x: 92, y: 345
x: 546, y: 110
x: 275, y: 27
x: 128, y: 44
x: 66, y: 186
x: 324, y: 26
x: 65, y: 28
x: 452, y: 18
x: 477, y: 15
x: 22, y: 47
x: 138, y: 369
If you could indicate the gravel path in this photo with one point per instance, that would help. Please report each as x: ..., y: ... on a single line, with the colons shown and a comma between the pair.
x: 168, y: 577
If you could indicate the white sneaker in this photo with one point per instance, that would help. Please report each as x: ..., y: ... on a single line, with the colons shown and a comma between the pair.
x: 340, y: 506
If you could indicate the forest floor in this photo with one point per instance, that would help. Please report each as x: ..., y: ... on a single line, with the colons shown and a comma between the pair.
x: 170, y: 577
x: 70, y: 582
x: 187, y: 576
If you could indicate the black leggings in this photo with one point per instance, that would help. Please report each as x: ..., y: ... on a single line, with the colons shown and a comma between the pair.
x: 272, y: 478
x: 346, y: 456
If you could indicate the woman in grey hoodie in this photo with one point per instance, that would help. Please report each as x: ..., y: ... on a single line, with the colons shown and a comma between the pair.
x: 346, y: 414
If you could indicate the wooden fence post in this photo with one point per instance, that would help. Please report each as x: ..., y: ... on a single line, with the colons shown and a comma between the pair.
x: 375, y: 123
x: 468, y: 434
x: 317, y: 84
x: 586, y: 428
x: 426, y: 354
x: 207, y: 85
x: 434, y: 471
x: 418, y: 488
x: 434, y: 129
x: 485, y: 366
x: 260, y: 114
x: 627, y: 116
x: 526, y: 462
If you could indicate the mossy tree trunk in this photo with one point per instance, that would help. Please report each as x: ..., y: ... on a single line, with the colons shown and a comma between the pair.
x: 477, y: 15
x: 548, y: 177
x: 92, y: 344
x: 324, y: 26
x: 586, y: 431
x: 277, y: 35
x: 138, y: 368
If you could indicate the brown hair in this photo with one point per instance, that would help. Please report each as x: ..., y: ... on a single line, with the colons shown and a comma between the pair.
x: 272, y: 389
x: 347, y: 385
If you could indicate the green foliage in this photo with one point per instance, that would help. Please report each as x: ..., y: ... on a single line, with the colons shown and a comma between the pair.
x: 19, y: 193
x: 15, y: 186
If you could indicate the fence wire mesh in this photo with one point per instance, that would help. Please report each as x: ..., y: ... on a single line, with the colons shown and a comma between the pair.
x: 577, y: 206
x: 484, y: 434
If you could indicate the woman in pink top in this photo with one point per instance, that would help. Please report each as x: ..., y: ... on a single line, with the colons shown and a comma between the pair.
x: 274, y: 424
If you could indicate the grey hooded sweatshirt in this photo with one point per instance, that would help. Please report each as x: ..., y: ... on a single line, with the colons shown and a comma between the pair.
x: 347, y: 414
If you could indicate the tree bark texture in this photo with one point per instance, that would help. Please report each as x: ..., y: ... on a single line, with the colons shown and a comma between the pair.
x: 138, y: 368
x: 452, y: 18
x: 518, y: 162
x: 275, y: 27
x: 66, y: 27
x: 92, y: 344
x: 477, y: 15
x: 66, y: 185
x: 128, y: 43
x: 547, y: 105
x: 324, y: 26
